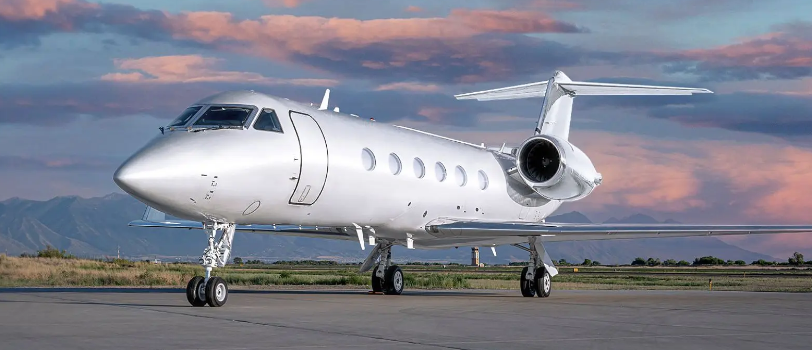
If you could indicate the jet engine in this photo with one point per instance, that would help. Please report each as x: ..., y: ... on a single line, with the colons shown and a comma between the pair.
x: 556, y: 169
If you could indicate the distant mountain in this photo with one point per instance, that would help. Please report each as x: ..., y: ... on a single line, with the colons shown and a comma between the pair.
x: 98, y: 226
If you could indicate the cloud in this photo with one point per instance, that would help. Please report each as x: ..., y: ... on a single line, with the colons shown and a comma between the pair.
x: 193, y: 69
x: 409, y: 86
x: 19, y: 10
x: 780, y: 114
x: 414, y: 9
x: 471, y: 45
x: 783, y: 54
x: 284, y: 3
x: 19, y: 163
x: 61, y: 103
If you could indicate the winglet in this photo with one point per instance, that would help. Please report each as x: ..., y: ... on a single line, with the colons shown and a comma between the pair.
x: 325, y: 100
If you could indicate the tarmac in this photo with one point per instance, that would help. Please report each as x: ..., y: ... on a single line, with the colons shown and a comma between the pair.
x: 126, y: 318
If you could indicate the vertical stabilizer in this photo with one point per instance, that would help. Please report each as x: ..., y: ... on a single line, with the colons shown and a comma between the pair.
x: 556, y: 111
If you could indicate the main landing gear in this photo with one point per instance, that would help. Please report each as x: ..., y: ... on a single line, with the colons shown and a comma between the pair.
x: 386, y: 278
x: 537, y: 276
x: 212, y: 290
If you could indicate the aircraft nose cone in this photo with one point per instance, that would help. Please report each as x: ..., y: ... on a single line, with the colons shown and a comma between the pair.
x: 156, y: 179
x: 137, y: 176
x: 130, y: 178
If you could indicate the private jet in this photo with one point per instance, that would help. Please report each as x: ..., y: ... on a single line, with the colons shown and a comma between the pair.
x: 251, y: 162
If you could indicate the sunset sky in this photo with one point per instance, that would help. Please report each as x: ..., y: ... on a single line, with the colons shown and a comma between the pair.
x: 83, y: 84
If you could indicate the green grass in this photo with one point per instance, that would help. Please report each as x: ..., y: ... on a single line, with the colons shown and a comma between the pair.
x: 40, y: 271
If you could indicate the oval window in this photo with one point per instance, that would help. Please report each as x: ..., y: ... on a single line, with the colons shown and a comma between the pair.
x: 394, y: 164
x: 368, y: 158
x: 439, y: 171
x: 483, y: 180
x: 459, y: 174
x: 419, y: 168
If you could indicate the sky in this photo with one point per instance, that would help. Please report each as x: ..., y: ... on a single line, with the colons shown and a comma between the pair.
x: 84, y: 84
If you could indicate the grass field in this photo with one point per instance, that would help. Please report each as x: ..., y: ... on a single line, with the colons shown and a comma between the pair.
x: 56, y: 272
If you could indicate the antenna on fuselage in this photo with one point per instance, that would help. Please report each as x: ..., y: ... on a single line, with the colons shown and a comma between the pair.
x: 325, y: 100
x: 335, y: 109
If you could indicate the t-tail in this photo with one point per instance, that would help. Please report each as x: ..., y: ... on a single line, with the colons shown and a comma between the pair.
x: 559, y: 92
x: 547, y: 162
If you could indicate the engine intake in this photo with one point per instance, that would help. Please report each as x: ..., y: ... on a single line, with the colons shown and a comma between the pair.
x: 556, y: 169
x: 539, y: 161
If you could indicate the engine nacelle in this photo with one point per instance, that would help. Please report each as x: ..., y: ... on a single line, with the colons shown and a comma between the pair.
x: 556, y: 169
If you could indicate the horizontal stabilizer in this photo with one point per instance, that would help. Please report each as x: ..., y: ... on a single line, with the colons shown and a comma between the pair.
x: 578, y: 88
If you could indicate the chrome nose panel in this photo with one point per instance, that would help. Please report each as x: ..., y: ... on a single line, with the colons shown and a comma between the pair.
x: 159, y: 176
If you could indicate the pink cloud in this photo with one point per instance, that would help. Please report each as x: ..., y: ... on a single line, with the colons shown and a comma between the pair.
x: 414, y: 9
x: 510, y: 21
x: 409, y: 86
x: 36, y: 9
x: 191, y: 69
x: 284, y: 3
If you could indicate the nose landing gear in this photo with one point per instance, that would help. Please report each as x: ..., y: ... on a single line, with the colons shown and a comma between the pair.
x: 212, y: 290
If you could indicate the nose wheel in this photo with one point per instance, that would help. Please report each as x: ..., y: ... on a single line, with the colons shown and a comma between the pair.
x: 212, y: 290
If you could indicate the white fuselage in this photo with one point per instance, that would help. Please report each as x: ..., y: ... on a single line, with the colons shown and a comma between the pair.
x: 249, y: 176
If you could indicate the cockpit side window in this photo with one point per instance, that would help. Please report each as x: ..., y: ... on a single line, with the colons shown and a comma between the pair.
x: 268, y: 121
x: 184, y: 117
x: 224, y: 116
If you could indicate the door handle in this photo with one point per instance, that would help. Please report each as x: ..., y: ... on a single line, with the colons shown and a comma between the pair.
x: 294, y: 178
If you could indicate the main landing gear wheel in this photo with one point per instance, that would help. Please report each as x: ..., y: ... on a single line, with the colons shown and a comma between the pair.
x: 216, y: 292
x: 195, y: 291
x: 393, y: 284
x: 526, y: 285
x: 535, y: 279
x: 543, y: 283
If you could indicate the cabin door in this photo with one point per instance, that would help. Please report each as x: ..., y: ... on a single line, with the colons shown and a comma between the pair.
x: 312, y: 160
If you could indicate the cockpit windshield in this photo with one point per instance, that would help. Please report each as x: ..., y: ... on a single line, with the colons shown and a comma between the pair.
x: 184, y: 117
x: 224, y: 116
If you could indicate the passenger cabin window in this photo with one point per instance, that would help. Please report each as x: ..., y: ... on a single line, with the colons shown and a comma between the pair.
x: 225, y: 116
x: 184, y: 117
x: 268, y: 121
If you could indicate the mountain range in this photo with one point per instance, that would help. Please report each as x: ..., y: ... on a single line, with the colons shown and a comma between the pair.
x: 97, y: 227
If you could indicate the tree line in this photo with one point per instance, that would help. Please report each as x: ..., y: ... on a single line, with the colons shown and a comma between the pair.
x: 797, y: 259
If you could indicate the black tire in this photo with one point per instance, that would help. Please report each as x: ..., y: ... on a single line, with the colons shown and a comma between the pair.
x: 393, y: 281
x: 193, y: 291
x: 526, y: 285
x: 543, y: 283
x: 216, y: 292
x: 377, y: 282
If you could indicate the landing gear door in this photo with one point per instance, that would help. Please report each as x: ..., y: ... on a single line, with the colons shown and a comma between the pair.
x: 312, y: 160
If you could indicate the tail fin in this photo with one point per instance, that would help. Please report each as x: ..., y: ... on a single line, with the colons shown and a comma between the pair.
x: 558, y: 93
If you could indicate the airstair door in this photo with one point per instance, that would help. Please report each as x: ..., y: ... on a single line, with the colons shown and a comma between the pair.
x: 312, y: 161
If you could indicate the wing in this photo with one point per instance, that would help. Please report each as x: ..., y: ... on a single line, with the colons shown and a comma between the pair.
x: 556, y: 232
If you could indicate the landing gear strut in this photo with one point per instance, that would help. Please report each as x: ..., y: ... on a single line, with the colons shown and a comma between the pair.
x: 537, y: 276
x: 386, y: 278
x: 212, y: 290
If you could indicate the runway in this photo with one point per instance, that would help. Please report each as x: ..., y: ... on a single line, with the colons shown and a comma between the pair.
x: 351, y: 319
